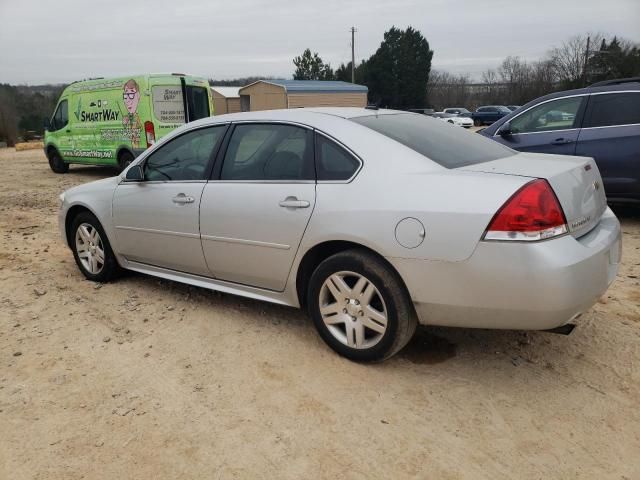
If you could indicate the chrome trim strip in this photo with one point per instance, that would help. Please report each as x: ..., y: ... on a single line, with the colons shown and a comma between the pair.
x: 159, y: 232
x: 243, y: 241
x: 614, y: 126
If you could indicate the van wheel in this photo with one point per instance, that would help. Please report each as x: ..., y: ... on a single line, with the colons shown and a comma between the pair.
x: 57, y: 164
x: 124, y: 160
x: 360, y: 307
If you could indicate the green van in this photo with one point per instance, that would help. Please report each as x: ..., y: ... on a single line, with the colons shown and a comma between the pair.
x: 110, y: 121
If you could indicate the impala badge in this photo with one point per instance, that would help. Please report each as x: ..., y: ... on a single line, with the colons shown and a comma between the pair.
x: 596, y: 185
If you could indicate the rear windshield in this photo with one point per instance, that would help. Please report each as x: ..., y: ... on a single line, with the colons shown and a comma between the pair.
x: 198, y: 100
x: 168, y: 103
x: 445, y: 144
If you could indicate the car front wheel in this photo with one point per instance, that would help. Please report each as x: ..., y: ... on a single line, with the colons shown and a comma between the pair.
x: 360, y: 306
x: 91, y: 249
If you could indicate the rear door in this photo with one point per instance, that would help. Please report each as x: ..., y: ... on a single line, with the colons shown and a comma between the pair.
x: 254, y: 212
x: 549, y: 127
x: 611, y: 135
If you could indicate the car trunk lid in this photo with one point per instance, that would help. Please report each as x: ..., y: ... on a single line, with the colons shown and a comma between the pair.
x: 576, y: 182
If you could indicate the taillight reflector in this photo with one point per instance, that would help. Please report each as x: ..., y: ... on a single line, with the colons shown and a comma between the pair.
x: 532, y: 213
x: 150, y: 133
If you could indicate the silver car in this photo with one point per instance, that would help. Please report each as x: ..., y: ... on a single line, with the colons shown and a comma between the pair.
x: 370, y: 220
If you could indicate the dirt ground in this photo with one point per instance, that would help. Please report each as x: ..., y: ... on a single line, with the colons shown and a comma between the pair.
x: 146, y: 378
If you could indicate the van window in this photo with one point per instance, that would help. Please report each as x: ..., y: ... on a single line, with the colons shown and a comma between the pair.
x: 613, y: 109
x: 61, y: 116
x: 168, y: 106
x: 198, y: 102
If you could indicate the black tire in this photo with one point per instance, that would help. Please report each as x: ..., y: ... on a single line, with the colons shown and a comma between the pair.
x: 56, y: 163
x: 401, y: 316
x: 124, y: 159
x: 477, y: 123
x: 110, y: 268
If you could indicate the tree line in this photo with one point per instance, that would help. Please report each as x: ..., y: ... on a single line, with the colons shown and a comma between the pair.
x: 580, y: 61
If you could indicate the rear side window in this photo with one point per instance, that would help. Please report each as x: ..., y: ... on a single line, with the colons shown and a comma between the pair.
x: 269, y: 152
x: 185, y: 157
x: 436, y: 140
x: 613, y: 109
x: 333, y: 162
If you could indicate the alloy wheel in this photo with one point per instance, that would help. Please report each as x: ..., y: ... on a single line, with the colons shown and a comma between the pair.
x: 353, y: 310
x: 90, y: 248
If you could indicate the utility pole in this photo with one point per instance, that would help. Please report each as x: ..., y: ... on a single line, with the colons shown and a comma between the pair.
x: 586, y: 61
x: 353, y: 55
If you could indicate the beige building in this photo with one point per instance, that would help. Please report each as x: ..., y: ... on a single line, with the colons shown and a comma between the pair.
x: 274, y: 94
x: 225, y: 100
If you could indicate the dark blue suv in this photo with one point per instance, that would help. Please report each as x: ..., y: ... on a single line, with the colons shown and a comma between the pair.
x: 601, y: 121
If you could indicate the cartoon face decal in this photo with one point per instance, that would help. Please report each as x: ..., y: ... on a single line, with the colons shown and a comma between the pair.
x: 131, y: 96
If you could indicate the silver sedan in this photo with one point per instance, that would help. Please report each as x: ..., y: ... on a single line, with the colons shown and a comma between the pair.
x: 370, y: 220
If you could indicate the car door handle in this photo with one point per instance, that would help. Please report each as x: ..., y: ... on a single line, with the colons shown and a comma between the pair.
x: 561, y: 141
x: 181, y: 199
x: 293, y: 202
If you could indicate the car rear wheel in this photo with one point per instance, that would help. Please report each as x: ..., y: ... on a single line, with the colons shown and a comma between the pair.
x: 91, y: 249
x: 360, y: 306
x: 57, y: 164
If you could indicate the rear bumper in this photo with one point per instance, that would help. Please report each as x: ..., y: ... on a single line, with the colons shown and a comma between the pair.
x: 516, y: 285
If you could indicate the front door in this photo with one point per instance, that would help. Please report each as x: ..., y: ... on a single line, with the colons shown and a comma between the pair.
x: 551, y: 127
x: 156, y: 220
x: 254, y: 213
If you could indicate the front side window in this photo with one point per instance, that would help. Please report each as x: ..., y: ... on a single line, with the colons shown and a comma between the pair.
x: 558, y: 114
x: 269, y: 152
x: 613, y: 109
x: 333, y: 162
x: 185, y: 157
x: 61, y: 116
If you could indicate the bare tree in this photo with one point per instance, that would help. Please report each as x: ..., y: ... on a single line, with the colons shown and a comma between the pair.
x: 568, y: 59
x: 8, y: 116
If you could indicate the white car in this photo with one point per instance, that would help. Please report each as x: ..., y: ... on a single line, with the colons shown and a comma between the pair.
x: 370, y: 220
x: 465, y: 122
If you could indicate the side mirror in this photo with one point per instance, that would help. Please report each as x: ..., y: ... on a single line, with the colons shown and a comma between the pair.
x: 135, y: 174
x: 505, y: 129
x: 46, y: 124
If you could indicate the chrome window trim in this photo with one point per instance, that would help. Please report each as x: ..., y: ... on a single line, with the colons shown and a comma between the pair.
x: 351, y: 152
x: 161, y: 182
x: 613, y: 126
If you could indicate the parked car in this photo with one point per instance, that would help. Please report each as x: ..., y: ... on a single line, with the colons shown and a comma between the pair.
x: 465, y: 122
x: 285, y: 206
x: 601, y: 121
x: 111, y: 121
x: 513, y: 107
x: 489, y: 114
x: 463, y: 112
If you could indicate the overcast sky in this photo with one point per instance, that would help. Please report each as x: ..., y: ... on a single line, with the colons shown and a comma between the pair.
x: 55, y: 41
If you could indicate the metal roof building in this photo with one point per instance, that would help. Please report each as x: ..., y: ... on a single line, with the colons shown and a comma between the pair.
x: 274, y: 94
x: 225, y: 100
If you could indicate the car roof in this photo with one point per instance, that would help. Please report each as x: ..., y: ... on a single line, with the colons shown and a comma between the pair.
x: 595, y: 88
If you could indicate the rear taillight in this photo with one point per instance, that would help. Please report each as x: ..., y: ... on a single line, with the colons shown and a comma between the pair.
x: 150, y: 133
x: 532, y: 213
